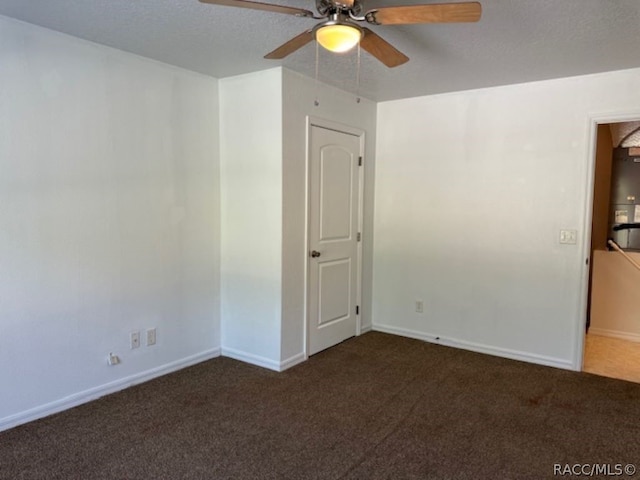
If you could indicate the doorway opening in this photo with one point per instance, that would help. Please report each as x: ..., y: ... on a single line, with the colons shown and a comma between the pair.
x: 612, y: 334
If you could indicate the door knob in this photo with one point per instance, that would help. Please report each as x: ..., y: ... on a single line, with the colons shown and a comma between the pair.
x: 315, y: 253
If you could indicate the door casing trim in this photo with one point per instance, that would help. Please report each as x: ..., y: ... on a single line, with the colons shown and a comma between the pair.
x: 593, y: 121
x: 356, y: 132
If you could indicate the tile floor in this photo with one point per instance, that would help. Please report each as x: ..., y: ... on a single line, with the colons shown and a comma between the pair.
x: 612, y: 357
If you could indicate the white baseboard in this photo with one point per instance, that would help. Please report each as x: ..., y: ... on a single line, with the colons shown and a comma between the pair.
x: 292, y: 361
x: 477, y: 347
x: 106, y: 389
x: 251, y: 358
x: 604, y: 332
x: 264, y: 362
x: 365, y: 329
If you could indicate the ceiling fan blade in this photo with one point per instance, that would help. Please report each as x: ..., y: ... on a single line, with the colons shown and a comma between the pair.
x: 291, y: 46
x: 381, y: 49
x: 433, y: 13
x: 299, y: 12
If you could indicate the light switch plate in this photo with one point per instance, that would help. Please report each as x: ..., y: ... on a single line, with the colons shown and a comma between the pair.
x: 568, y: 237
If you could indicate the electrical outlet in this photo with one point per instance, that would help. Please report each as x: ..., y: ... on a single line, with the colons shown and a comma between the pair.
x: 419, y: 306
x: 151, y: 337
x: 113, y: 359
x: 135, y: 339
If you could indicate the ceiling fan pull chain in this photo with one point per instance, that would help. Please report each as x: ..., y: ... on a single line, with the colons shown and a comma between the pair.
x: 358, y: 76
x: 316, y: 102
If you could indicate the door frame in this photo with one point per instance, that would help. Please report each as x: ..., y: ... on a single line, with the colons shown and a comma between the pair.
x: 313, y: 121
x: 592, y: 127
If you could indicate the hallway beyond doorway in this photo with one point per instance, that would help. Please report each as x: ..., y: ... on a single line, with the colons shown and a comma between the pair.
x: 612, y: 357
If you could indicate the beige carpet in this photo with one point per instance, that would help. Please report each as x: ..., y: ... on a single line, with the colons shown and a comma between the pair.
x: 612, y: 357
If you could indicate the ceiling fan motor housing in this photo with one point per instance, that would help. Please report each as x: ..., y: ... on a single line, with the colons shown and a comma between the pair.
x: 327, y: 7
x: 338, y: 19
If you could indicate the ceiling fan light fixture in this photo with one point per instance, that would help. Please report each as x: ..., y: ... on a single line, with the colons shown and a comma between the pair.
x: 339, y: 31
x: 338, y: 38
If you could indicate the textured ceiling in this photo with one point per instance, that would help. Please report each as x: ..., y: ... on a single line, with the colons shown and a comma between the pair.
x: 515, y: 41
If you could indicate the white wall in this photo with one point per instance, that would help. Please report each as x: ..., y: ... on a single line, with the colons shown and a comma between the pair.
x: 338, y: 106
x: 109, y: 219
x: 615, y: 303
x: 251, y: 176
x: 472, y: 189
x: 264, y: 185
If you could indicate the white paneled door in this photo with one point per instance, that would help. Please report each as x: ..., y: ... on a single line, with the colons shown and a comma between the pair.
x: 333, y: 236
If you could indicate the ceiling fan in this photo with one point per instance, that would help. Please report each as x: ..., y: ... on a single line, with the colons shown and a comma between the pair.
x: 339, y: 32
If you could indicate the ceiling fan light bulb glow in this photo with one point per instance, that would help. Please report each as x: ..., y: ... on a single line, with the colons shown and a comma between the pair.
x: 338, y: 38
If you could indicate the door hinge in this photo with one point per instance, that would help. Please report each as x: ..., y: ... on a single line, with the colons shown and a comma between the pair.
x: 359, y: 236
x: 360, y: 161
x: 357, y: 309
